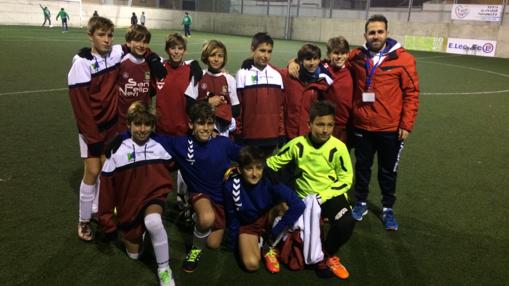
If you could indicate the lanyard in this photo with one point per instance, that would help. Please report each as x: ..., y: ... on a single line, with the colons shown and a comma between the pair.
x: 371, y: 70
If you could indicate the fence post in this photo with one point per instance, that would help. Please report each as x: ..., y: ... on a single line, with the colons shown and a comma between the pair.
x: 504, y: 2
x: 298, y: 8
x: 368, y: 4
x: 268, y: 7
x: 287, y: 22
x: 410, y: 4
x: 330, y: 8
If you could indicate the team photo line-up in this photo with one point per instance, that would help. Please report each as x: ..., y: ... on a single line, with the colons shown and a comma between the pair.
x: 264, y: 155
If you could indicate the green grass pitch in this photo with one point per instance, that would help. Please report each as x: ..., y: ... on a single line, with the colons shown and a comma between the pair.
x: 453, y: 186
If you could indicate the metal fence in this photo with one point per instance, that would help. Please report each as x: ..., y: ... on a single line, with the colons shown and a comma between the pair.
x: 346, y: 9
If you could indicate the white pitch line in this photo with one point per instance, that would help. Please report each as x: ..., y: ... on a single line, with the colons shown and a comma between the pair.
x: 468, y: 68
x: 465, y: 93
x: 33, y: 91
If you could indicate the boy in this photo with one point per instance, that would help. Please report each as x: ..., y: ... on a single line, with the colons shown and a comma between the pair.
x: 311, y: 85
x: 341, y: 91
x: 135, y: 180
x: 325, y: 170
x: 93, y: 93
x: 202, y: 161
x: 64, y: 17
x: 251, y: 204
x: 217, y: 87
x: 135, y: 81
x: 171, y: 103
x: 260, y: 91
x: 47, y: 16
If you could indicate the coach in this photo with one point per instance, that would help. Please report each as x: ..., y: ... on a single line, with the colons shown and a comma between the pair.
x: 386, y: 98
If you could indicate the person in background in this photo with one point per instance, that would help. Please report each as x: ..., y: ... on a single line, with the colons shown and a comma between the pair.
x: 187, y: 21
x: 64, y: 17
x: 142, y: 18
x: 47, y: 16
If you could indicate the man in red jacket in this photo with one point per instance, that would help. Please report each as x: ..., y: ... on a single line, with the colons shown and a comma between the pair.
x: 386, y: 98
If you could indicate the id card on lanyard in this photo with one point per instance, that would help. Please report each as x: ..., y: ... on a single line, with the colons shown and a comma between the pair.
x: 369, y: 95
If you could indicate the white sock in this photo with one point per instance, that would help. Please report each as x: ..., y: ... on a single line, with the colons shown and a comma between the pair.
x: 95, y: 203
x: 159, y: 238
x: 200, y: 238
x: 87, y: 193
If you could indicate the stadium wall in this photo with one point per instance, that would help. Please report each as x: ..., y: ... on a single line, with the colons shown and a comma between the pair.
x: 317, y: 29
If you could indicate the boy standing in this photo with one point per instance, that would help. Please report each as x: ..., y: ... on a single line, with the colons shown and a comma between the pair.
x: 260, y: 92
x: 187, y: 21
x: 93, y: 92
x: 47, y: 15
x: 171, y: 103
x: 135, y: 80
x: 64, y: 17
x: 325, y: 170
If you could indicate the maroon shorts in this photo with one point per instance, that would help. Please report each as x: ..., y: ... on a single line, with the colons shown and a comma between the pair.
x: 219, y: 222
x: 258, y: 227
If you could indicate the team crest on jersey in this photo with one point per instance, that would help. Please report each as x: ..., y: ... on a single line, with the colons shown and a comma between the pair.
x: 224, y: 89
x: 147, y: 75
x: 254, y: 78
x: 160, y: 84
x: 131, y: 156
x: 125, y: 75
x: 95, y: 66
x: 203, y: 86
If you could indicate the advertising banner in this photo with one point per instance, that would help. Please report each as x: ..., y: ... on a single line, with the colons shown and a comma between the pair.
x: 483, y: 48
x: 422, y: 43
x: 491, y: 13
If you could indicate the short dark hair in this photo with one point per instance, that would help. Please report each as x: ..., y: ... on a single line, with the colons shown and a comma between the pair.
x: 309, y: 51
x: 376, y: 18
x: 249, y: 155
x: 140, y: 112
x: 137, y: 33
x: 338, y: 44
x: 321, y: 108
x: 209, y: 47
x: 174, y: 40
x: 99, y: 23
x: 201, y: 111
x: 261, y: 38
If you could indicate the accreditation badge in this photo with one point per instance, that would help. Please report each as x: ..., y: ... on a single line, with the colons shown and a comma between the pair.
x: 368, y: 96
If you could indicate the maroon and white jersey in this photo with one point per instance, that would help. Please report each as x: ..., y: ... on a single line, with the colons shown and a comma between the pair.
x: 134, y: 84
x: 221, y: 84
x: 133, y: 178
x: 171, y: 101
x: 93, y: 91
x: 261, y: 97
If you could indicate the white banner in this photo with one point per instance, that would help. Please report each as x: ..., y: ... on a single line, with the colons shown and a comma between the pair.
x: 483, y: 48
x: 491, y: 13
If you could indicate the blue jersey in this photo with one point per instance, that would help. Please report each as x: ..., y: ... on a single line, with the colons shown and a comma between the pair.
x: 245, y: 203
x: 202, y: 164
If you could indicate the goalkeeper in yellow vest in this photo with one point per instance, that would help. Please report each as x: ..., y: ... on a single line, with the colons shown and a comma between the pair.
x: 323, y: 168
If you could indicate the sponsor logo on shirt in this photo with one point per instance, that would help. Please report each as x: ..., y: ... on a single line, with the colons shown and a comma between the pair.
x: 133, y: 88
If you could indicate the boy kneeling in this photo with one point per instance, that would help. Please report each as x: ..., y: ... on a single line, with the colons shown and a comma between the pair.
x: 252, y: 203
x: 325, y: 172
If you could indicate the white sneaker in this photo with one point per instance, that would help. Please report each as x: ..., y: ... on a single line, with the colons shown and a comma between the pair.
x: 165, y: 276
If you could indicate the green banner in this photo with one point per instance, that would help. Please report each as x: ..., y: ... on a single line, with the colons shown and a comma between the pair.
x: 421, y: 43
